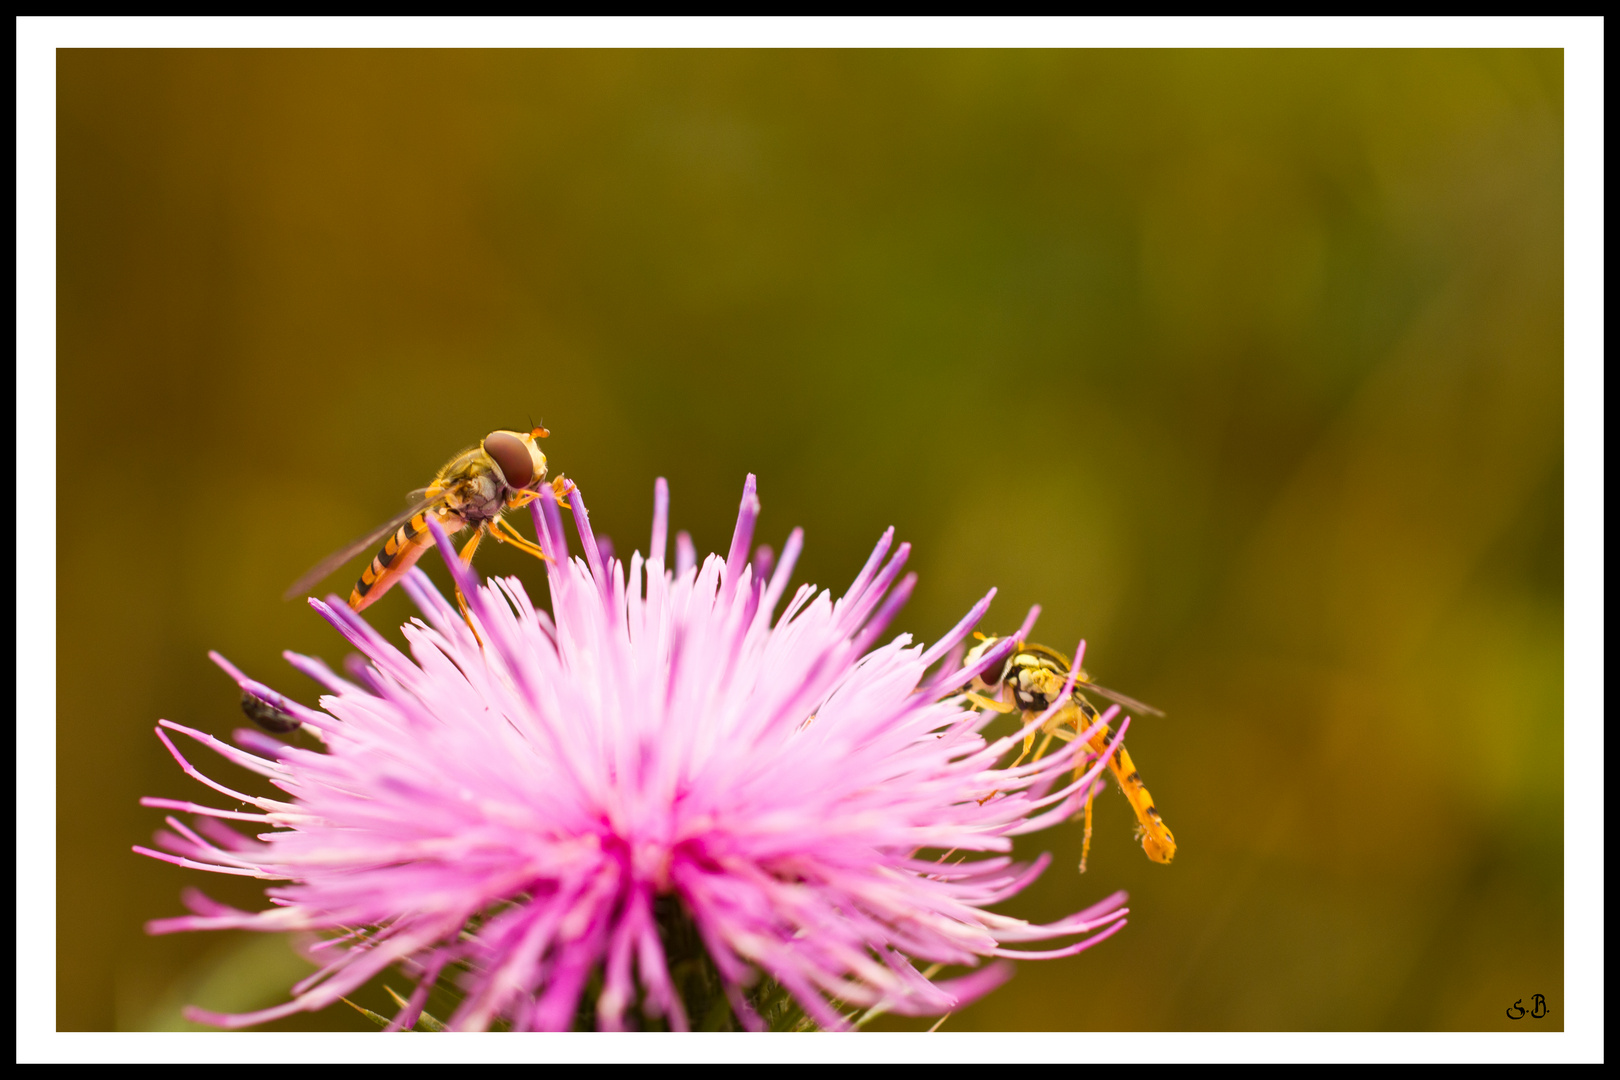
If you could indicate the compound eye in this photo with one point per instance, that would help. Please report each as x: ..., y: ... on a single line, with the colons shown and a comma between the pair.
x: 511, y: 456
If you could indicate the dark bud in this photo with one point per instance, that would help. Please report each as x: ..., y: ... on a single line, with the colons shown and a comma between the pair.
x: 267, y: 716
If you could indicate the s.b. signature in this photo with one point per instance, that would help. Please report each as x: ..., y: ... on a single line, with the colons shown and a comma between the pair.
x: 1538, y: 1008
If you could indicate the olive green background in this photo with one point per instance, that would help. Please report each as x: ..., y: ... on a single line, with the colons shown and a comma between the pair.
x: 1247, y: 366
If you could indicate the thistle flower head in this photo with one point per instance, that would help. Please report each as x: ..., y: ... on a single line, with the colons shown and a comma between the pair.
x: 520, y: 804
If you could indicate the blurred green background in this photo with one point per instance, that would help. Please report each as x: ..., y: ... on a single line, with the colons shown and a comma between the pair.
x: 1247, y: 366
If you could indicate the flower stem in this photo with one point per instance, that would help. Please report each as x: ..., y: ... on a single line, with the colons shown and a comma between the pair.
x: 698, y: 981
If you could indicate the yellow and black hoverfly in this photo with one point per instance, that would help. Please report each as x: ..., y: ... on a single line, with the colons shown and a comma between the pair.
x: 1034, y: 676
x: 503, y: 472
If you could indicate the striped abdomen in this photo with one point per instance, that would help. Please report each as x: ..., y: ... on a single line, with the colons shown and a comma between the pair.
x: 1157, y: 842
x: 398, y: 555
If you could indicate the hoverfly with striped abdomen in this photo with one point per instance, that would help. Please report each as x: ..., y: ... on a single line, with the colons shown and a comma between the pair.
x: 503, y: 472
x: 1035, y: 675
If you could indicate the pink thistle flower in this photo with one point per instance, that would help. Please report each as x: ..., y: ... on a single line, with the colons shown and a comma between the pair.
x: 543, y: 801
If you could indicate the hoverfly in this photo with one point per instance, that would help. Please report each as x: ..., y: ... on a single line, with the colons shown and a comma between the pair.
x: 1035, y: 676
x: 267, y: 716
x: 503, y: 472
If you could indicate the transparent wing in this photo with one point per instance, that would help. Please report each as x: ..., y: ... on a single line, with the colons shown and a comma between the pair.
x: 326, y: 566
x: 1115, y: 696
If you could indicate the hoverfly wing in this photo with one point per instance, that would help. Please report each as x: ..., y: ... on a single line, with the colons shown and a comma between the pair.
x: 326, y: 566
x: 1120, y: 699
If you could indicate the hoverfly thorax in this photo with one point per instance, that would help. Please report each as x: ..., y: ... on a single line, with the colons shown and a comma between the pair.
x: 518, y: 461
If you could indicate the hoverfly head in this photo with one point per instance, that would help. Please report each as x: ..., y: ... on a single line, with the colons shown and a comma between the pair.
x: 985, y: 680
x: 518, y: 461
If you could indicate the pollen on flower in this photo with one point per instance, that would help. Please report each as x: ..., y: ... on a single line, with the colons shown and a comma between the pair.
x: 575, y: 802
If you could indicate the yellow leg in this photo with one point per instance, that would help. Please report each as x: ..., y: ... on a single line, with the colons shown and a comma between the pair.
x: 505, y: 534
x: 471, y: 546
x: 1029, y: 741
x: 1099, y: 744
x: 1085, y: 842
x: 1079, y: 720
x: 461, y: 601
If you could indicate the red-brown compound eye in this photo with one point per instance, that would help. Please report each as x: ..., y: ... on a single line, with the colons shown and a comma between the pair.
x: 511, y: 456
